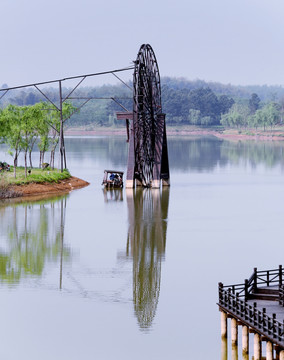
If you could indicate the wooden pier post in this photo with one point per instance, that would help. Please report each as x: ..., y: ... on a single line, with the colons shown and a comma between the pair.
x: 257, y: 347
x: 234, y: 352
x: 269, y: 350
x: 234, y: 332
x: 224, y: 348
x: 245, y: 341
x: 224, y: 332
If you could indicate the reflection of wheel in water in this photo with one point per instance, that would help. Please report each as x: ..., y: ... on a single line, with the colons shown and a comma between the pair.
x: 147, y: 106
x: 146, y: 242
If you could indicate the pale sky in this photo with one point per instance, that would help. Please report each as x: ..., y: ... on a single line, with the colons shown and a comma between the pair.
x: 229, y: 41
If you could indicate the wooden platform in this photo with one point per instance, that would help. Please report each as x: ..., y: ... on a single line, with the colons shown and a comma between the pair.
x: 258, y: 303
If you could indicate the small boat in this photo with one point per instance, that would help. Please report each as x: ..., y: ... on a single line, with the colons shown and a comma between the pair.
x: 113, y: 179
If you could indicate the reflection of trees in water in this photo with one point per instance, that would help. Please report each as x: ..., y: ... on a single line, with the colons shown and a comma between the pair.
x: 205, y: 153
x: 195, y: 153
x: 269, y: 154
x: 146, y: 243
x: 106, y: 148
x: 185, y: 153
x: 31, y: 234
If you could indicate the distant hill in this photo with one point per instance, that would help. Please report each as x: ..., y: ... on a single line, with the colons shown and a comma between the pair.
x: 265, y: 92
x: 183, y: 100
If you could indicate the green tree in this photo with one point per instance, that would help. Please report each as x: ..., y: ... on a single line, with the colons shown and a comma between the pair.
x: 238, y: 116
x: 225, y: 104
x: 11, y: 119
x: 206, y: 102
x: 194, y: 117
x: 254, y: 103
x: 31, y: 127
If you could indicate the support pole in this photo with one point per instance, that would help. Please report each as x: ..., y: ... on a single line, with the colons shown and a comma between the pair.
x: 245, y: 341
x: 161, y: 163
x: 224, y: 349
x: 130, y: 182
x: 257, y: 347
x: 61, y: 136
x: 234, y: 332
x: 269, y: 350
x: 234, y: 352
x: 224, y: 328
x: 277, y: 352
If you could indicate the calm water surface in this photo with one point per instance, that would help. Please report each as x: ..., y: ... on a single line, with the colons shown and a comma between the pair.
x: 133, y: 274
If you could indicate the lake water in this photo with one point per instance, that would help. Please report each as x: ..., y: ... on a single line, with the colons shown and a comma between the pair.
x: 134, y: 274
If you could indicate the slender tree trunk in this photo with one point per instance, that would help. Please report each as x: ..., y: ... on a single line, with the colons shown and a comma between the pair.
x: 30, y: 159
x: 26, y: 173
x: 15, y: 165
x: 30, y: 152
x: 52, y: 159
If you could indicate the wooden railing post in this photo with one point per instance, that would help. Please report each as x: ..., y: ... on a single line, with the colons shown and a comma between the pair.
x: 255, y: 313
x: 238, y: 304
x: 264, y: 319
x: 229, y: 298
x: 221, y: 298
x: 281, y: 295
x: 280, y: 275
x: 254, y: 279
x: 274, y: 332
x: 246, y: 289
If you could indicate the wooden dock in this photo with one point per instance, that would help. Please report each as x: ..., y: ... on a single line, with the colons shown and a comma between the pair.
x: 257, y: 305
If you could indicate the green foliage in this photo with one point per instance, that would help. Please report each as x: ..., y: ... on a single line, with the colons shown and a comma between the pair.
x: 184, y: 102
x: 254, y: 103
x: 37, y: 176
x: 33, y: 242
x: 21, y: 126
x: 240, y: 116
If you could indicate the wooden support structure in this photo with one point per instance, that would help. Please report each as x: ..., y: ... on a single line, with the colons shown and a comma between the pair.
x: 243, y: 304
x: 269, y: 350
x: 234, y: 332
x: 161, y: 173
x: 257, y: 346
x: 224, y: 326
x: 245, y: 341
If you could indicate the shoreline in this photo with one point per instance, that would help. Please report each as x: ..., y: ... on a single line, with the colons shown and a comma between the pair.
x: 45, y: 189
x: 232, y: 134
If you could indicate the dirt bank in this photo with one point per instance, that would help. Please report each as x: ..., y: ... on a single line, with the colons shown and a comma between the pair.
x: 63, y: 186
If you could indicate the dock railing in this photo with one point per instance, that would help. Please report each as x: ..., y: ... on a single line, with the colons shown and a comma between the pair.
x: 259, y: 278
x: 234, y: 300
x: 281, y: 295
x: 250, y: 315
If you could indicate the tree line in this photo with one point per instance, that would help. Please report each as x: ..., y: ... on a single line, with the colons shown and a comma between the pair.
x: 254, y: 114
x: 184, y: 102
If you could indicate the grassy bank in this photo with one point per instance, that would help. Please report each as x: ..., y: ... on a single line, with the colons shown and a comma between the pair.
x: 36, y: 176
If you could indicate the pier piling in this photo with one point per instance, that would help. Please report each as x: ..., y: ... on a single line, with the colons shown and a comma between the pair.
x: 257, y: 347
x: 224, y: 328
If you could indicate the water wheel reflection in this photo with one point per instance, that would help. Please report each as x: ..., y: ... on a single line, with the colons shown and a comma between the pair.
x: 146, y: 243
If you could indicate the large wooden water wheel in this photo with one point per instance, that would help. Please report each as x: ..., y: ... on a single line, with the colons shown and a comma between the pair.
x: 148, y: 154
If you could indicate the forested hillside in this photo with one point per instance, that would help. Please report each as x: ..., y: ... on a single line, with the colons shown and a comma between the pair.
x: 184, y: 102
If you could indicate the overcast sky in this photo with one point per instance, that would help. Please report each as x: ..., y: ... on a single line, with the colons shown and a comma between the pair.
x: 229, y: 41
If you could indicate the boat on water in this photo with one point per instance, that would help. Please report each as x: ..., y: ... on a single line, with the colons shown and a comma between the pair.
x: 113, y: 179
